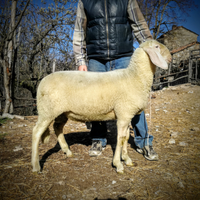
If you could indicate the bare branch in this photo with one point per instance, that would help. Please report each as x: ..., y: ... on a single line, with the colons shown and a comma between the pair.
x: 10, y: 35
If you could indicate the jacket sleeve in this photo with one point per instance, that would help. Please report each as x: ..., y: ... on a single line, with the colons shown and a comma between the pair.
x: 79, y: 43
x: 138, y: 23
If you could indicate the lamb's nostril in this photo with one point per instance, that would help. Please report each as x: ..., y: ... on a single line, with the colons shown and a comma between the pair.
x: 169, y: 59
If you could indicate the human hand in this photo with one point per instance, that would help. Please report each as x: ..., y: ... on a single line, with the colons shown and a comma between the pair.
x: 82, y: 68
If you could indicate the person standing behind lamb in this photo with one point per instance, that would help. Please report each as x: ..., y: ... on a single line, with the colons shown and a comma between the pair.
x: 103, y: 34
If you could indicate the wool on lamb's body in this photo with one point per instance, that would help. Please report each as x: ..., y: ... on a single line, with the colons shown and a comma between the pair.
x: 91, y: 95
x: 97, y: 96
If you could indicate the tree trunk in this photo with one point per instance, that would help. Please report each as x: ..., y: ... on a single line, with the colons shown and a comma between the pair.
x: 6, y: 72
x: 8, y: 69
x: 7, y: 59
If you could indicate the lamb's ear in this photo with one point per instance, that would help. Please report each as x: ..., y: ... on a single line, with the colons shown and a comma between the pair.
x: 156, y: 57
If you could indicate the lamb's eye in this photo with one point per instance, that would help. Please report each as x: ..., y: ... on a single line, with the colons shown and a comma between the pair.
x: 157, y: 46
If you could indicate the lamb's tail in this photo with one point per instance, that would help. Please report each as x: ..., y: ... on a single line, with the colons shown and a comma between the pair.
x: 45, y: 136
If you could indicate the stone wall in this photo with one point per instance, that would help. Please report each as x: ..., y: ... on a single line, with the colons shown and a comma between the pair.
x: 180, y: 42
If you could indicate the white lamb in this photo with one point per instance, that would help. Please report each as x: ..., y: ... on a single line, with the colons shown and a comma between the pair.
x: 93, y: 96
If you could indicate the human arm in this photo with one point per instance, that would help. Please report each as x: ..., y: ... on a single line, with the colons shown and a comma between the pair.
x: 79, y: 43
x: 138, y: 22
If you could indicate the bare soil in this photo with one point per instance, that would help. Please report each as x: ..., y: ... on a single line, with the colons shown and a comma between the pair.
x: 173, y: 117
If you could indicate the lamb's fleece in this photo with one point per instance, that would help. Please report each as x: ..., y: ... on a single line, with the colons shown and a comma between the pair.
x: 93, y: 96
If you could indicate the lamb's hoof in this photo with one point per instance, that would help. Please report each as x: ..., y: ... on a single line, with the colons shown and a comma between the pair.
x: 120, y: 171
x: 36, y: 168
x: 69, y: 154
x: 129, y: 164
x: 46, y: 140
x: 36, y: 173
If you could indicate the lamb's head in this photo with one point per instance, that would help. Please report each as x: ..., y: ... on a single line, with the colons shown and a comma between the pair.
x: 158, y: 53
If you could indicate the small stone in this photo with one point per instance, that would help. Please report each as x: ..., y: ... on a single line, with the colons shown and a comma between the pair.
x: 61, y: 183
x: 188, y: 111
x: 172, y: 141
x: 174, y: 134
x: 8, y: 167
x: 194, y: 129
x: 183, y: 144
x: 180, y: 184
x: 18, y: 148
x: 20, y: 125
x: 113, y: 182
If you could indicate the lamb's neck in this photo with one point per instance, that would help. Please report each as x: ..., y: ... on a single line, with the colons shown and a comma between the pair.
x: 141, y: 70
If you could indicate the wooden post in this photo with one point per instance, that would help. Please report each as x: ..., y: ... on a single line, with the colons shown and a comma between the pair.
x: 169, y: 70
x: 191, y: 74
x: 190, y: 68
x: 196, y: 71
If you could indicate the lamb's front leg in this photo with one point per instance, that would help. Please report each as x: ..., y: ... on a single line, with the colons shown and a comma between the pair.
x: 125, y: 156
x: 122, y: 127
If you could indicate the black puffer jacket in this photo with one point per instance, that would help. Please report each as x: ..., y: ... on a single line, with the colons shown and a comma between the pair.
x: 108, y: 34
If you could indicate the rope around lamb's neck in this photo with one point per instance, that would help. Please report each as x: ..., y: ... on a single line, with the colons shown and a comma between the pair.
x: 148, y: 133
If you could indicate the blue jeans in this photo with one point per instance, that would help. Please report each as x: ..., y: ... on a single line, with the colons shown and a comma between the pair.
x: 139, y: 123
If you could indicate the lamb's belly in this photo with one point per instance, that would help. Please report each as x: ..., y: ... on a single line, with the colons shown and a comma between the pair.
x: 89, y: 118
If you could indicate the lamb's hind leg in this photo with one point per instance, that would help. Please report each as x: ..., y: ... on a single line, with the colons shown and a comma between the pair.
x: 125, y: 156
x: 58, y: 128
x: 40, y: 127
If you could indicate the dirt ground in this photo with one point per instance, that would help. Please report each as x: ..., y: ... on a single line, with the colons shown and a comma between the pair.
x: 174, y: 121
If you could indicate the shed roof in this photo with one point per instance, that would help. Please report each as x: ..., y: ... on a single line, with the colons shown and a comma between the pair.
x: 174, y: 28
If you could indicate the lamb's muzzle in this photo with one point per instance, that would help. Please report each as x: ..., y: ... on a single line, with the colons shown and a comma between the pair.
x: 118, y: 94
